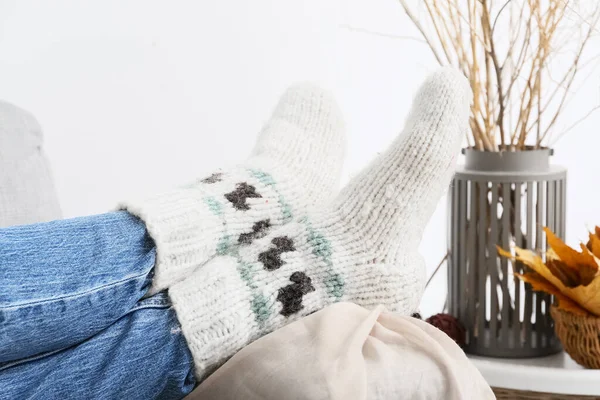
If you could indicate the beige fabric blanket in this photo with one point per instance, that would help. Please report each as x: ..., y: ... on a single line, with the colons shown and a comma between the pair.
x: 346, y: 352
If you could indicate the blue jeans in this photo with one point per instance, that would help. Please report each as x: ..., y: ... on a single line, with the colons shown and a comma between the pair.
x: 74, y: 322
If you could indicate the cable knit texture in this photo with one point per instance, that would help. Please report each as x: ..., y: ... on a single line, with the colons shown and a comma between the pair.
x: 360, y: 248
x: 295, y: 164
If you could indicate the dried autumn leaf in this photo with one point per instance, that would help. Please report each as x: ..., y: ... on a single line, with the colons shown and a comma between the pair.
x: 587, y: 297
x: 539, y: 284
x: 567, y: 304
x: 535, y: 262
x: 568, y: 276
x: 588, y: 274
x: 584, y: 263
x: 551, y: 254
x: 593, y: 243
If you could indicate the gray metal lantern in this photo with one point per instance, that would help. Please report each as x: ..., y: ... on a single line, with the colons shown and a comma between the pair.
x: 502, y: 199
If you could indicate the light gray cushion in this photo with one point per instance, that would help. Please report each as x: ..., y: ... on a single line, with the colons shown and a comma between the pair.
x: 27, y: 193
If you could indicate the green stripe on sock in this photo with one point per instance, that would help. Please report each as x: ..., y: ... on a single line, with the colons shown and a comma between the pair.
x: 259, y: 304
x: 223, y: 245
x: 260, y: 308
x: 247, y: 272
x: 263, y: 177
x: 335, y: 285
x: 322, y: 249
x: 267, y: 179
x: 213, y: 205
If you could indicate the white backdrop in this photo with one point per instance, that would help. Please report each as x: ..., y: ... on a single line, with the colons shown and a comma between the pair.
x: 136, y: 96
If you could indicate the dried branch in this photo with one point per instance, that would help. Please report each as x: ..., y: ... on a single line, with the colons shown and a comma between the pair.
x: 498, y: 15
x: 511, y: 76
x: 436, y: 270
x: 415, y: 21
x: 380, y: 34
x: 440, y: 35
x: 580, y: 120
x: 497, y: 68
x: 574, y: 70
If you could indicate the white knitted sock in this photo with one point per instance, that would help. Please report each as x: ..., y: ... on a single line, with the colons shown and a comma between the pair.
x: 362, y: 247
x: 295, y: 164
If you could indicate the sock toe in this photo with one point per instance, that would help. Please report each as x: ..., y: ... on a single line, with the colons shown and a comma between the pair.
x: 306, y: 136
x: 440, y: 109
x: 311, y: 109
x: 399, y: 191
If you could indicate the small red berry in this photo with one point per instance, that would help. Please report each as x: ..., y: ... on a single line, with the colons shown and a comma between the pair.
x: 450, y: 326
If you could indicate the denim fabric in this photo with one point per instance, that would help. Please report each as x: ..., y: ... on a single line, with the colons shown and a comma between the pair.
x: 141, y: 356
x: 73, y: 321
x: 64, y: 281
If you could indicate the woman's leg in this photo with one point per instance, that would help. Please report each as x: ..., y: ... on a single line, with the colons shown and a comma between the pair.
x: 143, y: 355
x: 64, y: 281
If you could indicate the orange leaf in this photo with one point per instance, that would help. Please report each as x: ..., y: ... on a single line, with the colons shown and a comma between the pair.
x: 570, y: 256
x: 588, y: 273
x: 569, y: 305
x: 568, y: 276
x: 534, y: 262
x: 594, y: 243
x: 588, y: 297
x: 584, y: 262
x: 539, y: 284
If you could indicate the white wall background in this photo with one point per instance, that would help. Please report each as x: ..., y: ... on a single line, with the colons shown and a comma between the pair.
x: 136, y: 96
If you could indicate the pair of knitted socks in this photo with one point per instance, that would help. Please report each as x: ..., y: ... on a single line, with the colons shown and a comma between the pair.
x: 247, y: 250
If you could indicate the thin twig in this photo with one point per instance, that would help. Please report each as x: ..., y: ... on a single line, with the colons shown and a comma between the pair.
x: 380, y: 34
x: 580, y: 120
x: 435, y: 271
x: 498, y: 15
x: 438, y: 32
x: 498, y: 69
x: 576, y: 63
x: 418, y: 25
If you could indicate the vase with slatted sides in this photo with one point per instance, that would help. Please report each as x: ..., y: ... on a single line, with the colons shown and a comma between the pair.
x: 502, y: 199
